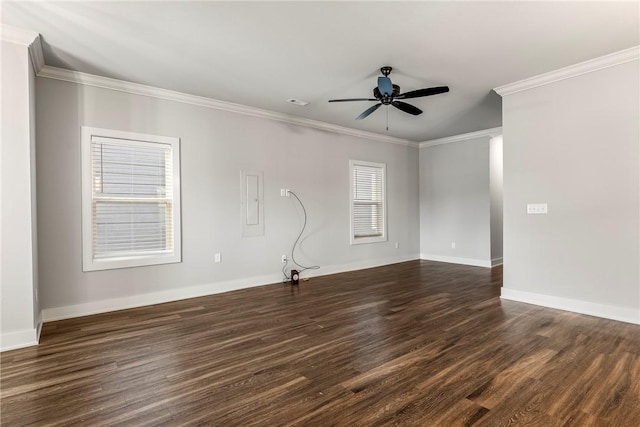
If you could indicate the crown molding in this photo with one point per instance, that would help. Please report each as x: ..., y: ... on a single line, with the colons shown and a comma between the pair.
x: 155, y: 92
x: 613, y: 59
x: 37, y: 55
x: 27, y: 38
x: 489, y: 133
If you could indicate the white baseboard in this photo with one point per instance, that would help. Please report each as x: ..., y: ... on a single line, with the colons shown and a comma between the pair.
x: 455, y: 260
x: 622, y: 314
x: 103, y: 306
x: 140, y: 300
x: 19, y: 339
x: 496, y: 261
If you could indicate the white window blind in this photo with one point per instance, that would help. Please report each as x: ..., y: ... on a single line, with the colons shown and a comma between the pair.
x: 367, y: 202
x: 131, y: 212
x: 132, y: 206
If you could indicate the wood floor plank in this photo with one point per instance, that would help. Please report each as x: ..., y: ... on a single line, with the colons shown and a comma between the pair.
x: 416, y: 343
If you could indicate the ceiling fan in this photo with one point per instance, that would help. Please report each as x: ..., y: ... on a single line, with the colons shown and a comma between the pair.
x: 386, y: 93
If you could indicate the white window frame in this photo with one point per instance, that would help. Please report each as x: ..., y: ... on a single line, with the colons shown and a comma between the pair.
x: 367, y: 239
x: 91, y: 264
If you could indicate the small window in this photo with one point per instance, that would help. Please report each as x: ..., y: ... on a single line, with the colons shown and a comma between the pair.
x: 130, y: 199
x: 368, y: 202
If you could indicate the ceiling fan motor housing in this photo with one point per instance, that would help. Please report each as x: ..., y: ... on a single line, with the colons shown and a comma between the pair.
x: 386, y: 100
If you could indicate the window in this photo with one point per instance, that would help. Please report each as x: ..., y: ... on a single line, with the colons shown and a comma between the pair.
x: 368, y: 202
x: 130, y: 199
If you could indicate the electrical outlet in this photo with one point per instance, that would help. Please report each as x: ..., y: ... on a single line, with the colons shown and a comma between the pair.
x: 536, y: 208
x: 397, y: 245
x: 288, y: 193
x: 218, y: 258
x: 283, y: 192
x: 453, y: 245
x: 284, y: 259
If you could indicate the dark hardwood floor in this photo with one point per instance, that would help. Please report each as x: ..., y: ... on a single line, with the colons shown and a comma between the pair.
x: 416, y: 343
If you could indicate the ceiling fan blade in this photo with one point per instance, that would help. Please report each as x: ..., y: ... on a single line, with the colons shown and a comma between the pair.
x: 407, y: 108
x: 352, y: 99
x: 423, y: 92
x: 385, y: 86
x: 368, y: 111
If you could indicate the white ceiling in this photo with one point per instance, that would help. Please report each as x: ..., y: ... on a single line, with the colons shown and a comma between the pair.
x: 262, y: 53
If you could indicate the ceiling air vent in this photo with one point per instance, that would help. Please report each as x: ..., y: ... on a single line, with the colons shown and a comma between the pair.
x: 297, y: 102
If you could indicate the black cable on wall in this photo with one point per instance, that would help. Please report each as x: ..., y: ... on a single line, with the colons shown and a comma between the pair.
x: 293, y: 248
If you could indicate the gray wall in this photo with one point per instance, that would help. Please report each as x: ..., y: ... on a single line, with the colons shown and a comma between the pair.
x: 215, y: 146
x: 19, y: 269
x: 574, y: 145
x: 454, y: 201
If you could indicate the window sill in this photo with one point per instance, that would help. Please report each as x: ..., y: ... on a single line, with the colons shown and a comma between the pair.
x: 128, y: 262
x: 368, y: 239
